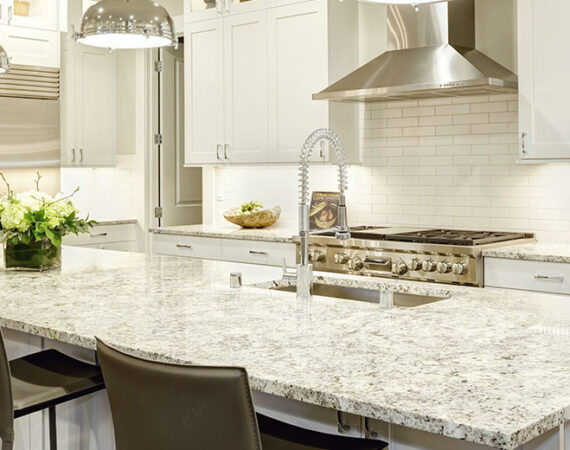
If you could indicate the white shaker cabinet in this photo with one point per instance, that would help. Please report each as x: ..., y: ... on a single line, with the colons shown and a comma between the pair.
x: 204, y: 91
x: 88, y: 106
x: 544, y: 71
x: 250, y: 77
x: 298, y: 68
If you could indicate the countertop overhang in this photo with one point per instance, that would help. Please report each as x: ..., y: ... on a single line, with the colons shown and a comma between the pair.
x: 486, y: 366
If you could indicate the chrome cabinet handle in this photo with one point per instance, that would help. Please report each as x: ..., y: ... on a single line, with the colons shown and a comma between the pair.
x: 218, y: 151
x: 558, y: 278
x: 186, y: 246
x: 227, y: 150
x: 99, y: 235
x: 80, y: 155
x: 523, y: 143
x: 253, y: 252
x: 10, y: 14
x: 72, y: 155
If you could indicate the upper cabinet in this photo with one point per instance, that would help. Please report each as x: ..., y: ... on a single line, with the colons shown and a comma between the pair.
x: 196, y: 10
x: 543, y: 79
x: 29, y: 31
x: 250, y: 76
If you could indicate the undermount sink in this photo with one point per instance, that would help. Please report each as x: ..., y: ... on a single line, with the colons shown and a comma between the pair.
x: 362, y: 294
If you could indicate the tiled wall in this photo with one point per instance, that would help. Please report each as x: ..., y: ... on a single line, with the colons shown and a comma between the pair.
x: 105, y: 193
x: 438, y: 163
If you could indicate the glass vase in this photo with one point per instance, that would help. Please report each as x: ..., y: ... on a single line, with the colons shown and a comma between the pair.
x: 35, y: 256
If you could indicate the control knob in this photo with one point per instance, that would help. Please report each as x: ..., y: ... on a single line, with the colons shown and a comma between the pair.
x: 429, y: 265
x: 355, y: 264
x: 399, y: 268
x: 341, y: 258
x: 415, y: 264
x: 459, y: 268
x: 444, y: 267
x: 316, y: 256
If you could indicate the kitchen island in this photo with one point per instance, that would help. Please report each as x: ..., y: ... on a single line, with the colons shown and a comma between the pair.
x: 484, y: 368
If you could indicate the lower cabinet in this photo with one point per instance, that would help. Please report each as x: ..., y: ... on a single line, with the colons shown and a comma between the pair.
x: 121, y: 237
x: 235, y: 250
x: 536, y: 276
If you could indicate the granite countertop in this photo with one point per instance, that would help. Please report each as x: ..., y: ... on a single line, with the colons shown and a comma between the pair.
x: 559, y: 253
x: 116, y: 222
x: 487, y: 366
x: 269, y: 234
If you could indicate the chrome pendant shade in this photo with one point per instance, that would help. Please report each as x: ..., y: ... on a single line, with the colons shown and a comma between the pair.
x: 4, y: 62
x: 121, y: 24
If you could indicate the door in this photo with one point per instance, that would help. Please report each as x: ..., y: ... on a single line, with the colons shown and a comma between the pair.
x: 67, y: 100
x: 204, y: 92
x: 95, y: 106
x: 180, y: 188
x: 30, y: 47
x: 246, y: 91
x: 298, y: 67
x: 543, y: 79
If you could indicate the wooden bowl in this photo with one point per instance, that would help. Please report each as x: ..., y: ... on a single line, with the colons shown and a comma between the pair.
x: 258, y: 219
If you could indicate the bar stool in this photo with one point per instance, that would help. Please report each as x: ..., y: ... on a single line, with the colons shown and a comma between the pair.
x: 41, y: 381
x: 166, y: 406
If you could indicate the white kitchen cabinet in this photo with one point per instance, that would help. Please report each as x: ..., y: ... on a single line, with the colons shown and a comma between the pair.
x: 204, y: 91
x: 188, y: 246
x: 197, y: 10
x: 121, y: 237
x: 41, y: 14
x: 259, y: 252
x: 29, y: 47
x: 543, y: 37
x: 88, y: 111
x: 539, y: 276
x: 246, y: 90
x: 270, y: 63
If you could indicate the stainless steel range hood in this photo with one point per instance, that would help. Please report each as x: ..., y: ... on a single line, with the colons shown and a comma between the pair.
x: 432, y: 54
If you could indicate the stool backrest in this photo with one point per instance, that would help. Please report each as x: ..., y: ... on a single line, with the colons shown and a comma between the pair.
x: 6, y: 402
x: 166, y: 406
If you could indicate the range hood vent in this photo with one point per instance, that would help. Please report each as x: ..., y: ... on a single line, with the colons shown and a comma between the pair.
x: 30, y: 82
x: 432, y: 54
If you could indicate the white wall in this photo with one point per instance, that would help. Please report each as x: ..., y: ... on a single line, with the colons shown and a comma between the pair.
x: 23, y: 180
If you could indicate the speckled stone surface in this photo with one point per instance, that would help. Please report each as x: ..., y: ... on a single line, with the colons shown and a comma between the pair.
x: 269, y: 234
x: 487, y: 366
x: 117, y: 222
x: 559, y: 253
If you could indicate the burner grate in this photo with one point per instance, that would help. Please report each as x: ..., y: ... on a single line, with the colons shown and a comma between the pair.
x: 455, y: 237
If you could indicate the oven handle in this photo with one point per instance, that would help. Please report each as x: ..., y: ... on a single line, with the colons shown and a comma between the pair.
x: 378, y: 263
x: 558, y: 278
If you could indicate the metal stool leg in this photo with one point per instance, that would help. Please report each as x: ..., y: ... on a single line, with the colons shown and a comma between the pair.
x: 52, y: 429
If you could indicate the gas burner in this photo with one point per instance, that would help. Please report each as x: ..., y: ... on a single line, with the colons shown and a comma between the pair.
x: 455, y: 237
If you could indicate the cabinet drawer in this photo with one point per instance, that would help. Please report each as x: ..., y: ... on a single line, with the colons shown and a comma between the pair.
x: 103, y: 234
x: 190, y: 246
x: 537, y: 276
x: 256, y: 252
x: 126, y: 246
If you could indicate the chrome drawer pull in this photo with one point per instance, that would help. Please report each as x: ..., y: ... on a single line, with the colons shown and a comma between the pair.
x: 558, y: 278
x: 253, y: 252
x: 186, y: 246
x: 99, y: 235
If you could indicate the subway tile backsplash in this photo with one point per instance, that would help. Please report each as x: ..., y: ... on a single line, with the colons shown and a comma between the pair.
x: 438, y: 163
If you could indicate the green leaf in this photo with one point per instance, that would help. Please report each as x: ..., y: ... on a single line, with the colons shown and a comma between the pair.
x: 53, y: 237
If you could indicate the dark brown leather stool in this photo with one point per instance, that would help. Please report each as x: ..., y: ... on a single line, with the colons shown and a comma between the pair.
x: 41, y: 381
x: 167, y: 406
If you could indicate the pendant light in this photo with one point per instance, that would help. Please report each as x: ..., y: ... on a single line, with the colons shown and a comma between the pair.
x: 4, y: 62
x: 121, y: 24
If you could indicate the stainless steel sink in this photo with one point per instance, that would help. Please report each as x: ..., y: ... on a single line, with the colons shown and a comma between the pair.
x: 362, y: 294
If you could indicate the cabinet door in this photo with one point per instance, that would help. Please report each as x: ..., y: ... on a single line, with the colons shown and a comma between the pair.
x: 543, y: 78
x: 298, y: 67
x: 95, y: 106
x: 40, y: 14
x: 245, y: 53
x: 67, y: 103
x: 204, y: 91
x: 30, y: 47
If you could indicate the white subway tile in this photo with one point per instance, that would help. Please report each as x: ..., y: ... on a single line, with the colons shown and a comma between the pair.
x: 489, y: 107
x: 452, y: 109
x: 419, y: 111
x: 471, y: 118
x: 436, y: 120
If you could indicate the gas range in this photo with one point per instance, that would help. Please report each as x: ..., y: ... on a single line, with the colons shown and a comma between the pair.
x: 420, y: 254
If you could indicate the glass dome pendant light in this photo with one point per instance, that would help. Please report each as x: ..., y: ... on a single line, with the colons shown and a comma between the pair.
x: 4, y: 61
x: 127, y: 24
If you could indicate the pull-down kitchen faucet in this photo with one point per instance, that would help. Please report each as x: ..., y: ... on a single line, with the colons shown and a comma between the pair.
x: 304, y: 269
